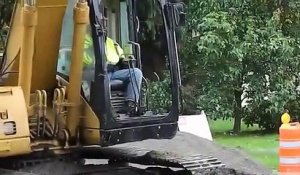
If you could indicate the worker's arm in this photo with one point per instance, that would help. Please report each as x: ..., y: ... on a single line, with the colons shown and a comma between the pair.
x: 120, y: 51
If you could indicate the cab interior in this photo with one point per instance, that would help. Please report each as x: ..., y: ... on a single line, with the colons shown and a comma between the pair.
x: 144, y: 34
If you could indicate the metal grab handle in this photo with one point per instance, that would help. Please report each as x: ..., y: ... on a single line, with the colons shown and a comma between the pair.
x: 138, y: 53
x: 138, y: 24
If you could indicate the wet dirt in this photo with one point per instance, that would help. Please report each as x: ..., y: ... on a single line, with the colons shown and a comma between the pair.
x: 188, y: 144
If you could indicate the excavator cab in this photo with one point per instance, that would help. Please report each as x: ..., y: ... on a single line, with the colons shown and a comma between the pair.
x: 148, y: 39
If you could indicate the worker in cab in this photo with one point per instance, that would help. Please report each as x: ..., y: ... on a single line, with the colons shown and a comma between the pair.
x: 132, y: 77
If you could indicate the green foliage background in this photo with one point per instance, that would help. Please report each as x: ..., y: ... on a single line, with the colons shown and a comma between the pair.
x: 240, y: 52
x: 160, y: 96
x: 6, y: 7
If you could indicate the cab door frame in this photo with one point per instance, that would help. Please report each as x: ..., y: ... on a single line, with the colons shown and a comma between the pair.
x: 115, y: 132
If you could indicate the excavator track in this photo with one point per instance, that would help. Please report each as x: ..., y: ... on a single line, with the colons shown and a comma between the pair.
x: 119, y: 160
x: 192, y: 164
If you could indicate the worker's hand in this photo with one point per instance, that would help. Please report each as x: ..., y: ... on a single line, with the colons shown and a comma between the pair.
x: 127, y: 62
x: 128, y: 55
x: 129, y: 58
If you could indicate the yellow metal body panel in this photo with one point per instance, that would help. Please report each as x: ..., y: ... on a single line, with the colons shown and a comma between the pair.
x: 90, y: 137
x: 12, y: 104
x: 51, y: 13
x: 90, y: 134
x: 47, y: 39
x: 12, y: 147
x: 90, y: 123
x: 13, y: 46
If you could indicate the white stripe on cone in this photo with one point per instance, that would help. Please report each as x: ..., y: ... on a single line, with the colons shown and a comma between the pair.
x: 285, y: 160
x: 286, y: 144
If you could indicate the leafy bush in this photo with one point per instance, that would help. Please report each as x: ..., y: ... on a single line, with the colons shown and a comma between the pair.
x: 159, y: 95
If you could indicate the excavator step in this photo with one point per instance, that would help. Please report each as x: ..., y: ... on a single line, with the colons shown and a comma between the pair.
x: 192, y: 163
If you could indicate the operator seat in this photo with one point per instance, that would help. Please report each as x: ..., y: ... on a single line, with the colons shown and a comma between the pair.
x: 117, y: 90
x: 117, y: 85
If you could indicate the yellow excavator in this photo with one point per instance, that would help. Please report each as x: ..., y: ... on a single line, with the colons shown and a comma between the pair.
x: 50, y: 103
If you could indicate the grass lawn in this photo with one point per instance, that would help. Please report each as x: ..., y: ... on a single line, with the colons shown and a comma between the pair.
x: 261, y: 147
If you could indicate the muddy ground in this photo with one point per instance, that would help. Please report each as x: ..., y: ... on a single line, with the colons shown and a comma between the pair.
x: 189, y: 144
x: 237, y: 163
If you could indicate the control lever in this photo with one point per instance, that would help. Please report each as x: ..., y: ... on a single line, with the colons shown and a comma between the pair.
x: 128, y: 53
x: 138, y: 53
x: 141, y: 109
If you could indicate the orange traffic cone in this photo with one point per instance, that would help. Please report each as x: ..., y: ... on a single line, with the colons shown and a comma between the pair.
x: 289, y: 147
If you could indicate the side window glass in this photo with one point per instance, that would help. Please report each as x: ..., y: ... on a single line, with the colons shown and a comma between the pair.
x: 124, y: 28
x: 154, y: 54
x: 65, y: 50
x: 88, y: 72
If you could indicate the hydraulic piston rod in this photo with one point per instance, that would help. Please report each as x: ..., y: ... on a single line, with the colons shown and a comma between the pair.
x: 29, y: 20
x: 81, y: 19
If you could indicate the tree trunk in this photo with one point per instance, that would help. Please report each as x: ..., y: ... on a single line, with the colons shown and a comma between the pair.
x: 284, y: 7
x: 237, y: 113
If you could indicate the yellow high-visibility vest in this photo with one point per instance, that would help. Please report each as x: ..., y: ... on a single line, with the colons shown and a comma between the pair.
x: 88, y: 51
x: 113, y: 51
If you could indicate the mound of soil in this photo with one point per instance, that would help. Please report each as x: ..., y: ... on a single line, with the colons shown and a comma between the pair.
x: 187, y: 144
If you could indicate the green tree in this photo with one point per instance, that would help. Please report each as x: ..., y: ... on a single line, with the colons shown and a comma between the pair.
x: 6, y: 8
x: 239, y: 55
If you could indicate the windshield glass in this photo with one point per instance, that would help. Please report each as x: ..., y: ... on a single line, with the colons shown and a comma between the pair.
x: 64, y: 59
x: 154, y: 55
